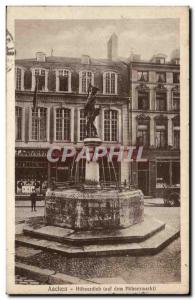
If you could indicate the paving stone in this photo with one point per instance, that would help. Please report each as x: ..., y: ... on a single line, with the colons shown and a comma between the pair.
x: 60, y: 278
x: 33, y: 272
x: 26, y: 252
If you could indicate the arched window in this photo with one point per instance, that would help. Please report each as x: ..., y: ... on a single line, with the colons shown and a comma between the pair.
x: 85, y: 79
x: 110, y: 83
x: 39, y: 123
x: 18, y: 124
x: 63, y: 120
x: 111, y: 125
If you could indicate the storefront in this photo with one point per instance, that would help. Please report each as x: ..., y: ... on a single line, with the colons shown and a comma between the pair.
x: 31, y: 171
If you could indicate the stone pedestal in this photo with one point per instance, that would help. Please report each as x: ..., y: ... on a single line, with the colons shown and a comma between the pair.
x: 92, y: 171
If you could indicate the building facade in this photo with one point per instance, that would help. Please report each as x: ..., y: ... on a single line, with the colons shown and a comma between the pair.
x: 155, y: 121
x: 59, y: 118
x: 140, y: 106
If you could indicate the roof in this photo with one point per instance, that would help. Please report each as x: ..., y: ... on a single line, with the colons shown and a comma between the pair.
x: 69, y: 61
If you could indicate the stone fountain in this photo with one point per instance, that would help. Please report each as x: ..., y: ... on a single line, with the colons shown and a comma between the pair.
x: 93, y: 220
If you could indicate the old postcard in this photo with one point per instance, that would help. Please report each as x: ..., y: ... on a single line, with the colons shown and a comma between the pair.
x: 97, y: 150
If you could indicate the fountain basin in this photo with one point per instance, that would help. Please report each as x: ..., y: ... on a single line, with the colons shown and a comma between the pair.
x: 92, y: 208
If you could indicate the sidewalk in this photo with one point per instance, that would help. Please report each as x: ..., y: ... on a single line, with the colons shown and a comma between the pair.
x: 27, y: 203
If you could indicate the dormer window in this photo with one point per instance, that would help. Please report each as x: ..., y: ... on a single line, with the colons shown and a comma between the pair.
x: 85, y: 79
x: 110, y: 83
x: 63, y: 81
x: 160, y: 60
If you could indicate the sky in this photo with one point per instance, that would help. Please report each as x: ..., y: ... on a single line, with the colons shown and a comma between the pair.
x: 72, y: 38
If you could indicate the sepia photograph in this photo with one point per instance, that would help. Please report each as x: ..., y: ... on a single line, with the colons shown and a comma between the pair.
x: 98, y: 127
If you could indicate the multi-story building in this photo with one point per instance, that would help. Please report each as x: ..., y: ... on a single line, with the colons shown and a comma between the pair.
x: 59, y: 118
x: 155, y: 121
x: 140, y: 105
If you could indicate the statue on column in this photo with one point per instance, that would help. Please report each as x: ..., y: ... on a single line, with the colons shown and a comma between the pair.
x: 91, y: 112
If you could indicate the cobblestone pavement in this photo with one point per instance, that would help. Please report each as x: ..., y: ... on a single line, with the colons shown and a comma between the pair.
x: 24, y: 280
x: 163, y: 267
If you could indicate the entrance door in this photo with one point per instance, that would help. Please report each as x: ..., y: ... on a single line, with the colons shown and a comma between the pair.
x: 143, y: 177
x: 143, y: 181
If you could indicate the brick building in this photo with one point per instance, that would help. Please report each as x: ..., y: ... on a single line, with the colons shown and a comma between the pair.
x: 155, y: 121
x: 59, y: 117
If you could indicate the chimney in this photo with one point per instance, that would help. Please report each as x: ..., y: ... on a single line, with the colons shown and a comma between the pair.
x: 85, y: 59
x: 112, y: 47
x: 40, y: 56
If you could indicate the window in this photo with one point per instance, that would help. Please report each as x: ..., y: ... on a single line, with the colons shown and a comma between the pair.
x: 176, y: 138
x: 176, y: 77
x: 63, y: 129
x: 160, y: 60
x: 110, y: 125
x: 18, y: 78
x: 82, y: 125
x: 160, y: 139
x: 143, y: 99
x: 64, y: 80
x: 39, y: 118
x: 176, y: 61
x: 163, y: 173
x: 168, y: 172
x: 161, y: 100
x: 175, y: 100
x: 161, y: 77
x: 143, y: 135
x: 110, y: 83
x: 86, y: 78
x: 40, y: 73
x: 175, y: 172
x: 142, y: 76
x: 18, y: 123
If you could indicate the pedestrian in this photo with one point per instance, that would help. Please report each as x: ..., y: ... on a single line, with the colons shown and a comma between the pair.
x: 33, y: 198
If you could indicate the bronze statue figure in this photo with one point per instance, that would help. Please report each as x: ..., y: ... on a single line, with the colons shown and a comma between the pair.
x: 91, y: 112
